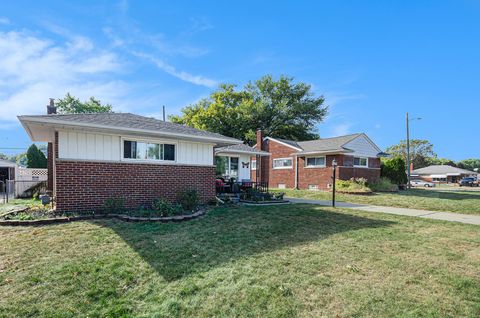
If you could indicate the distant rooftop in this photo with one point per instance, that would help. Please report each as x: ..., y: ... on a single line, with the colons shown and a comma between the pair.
x: 441, y: 169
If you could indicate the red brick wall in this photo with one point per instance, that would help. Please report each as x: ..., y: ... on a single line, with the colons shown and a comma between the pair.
x: 85, y: 186
x: 276, y: 176
x: 345, y: 173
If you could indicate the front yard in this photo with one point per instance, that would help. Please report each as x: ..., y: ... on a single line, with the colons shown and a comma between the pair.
x: 467, y: 202
x: 271, y: 261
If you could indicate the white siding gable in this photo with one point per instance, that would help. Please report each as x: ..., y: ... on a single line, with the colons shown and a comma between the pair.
x: 95, y: 146
x: 362, y: 147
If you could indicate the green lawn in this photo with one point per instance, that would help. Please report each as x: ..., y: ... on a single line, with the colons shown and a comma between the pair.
x: 16, y: 204
x: 467, y: 202
x: 271, y: 261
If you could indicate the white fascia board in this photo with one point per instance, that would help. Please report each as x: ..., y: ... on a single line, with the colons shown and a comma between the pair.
x: 243, y: 152
x: 67, y: 124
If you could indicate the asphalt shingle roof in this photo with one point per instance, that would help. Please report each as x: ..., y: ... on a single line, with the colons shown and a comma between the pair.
x: 6, y: 163
x: 241, y: 148
x: 325, y: 144
x: 441, y: 169
x: 131, y: 121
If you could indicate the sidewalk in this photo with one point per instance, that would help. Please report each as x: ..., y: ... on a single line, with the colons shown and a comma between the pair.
x: 436, y: 215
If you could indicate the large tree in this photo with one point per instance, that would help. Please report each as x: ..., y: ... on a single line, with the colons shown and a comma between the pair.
x: 421, y: 152
x: 72, y: 105
x: 281, y: 107
x: 36, y: 158
x: 469, y: 164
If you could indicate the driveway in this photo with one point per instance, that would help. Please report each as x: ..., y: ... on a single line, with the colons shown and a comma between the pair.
x: 436, y: 215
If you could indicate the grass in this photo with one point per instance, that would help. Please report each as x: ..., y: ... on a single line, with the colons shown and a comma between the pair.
x: 467, y: 202
x: 271, y: 261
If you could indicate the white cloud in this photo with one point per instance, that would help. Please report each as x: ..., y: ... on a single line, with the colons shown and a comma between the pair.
x: 342, y: 129
x: 4, y: 20
x: 34, y: 68
x: 184, y: 76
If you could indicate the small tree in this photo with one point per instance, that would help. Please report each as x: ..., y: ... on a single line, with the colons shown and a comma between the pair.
x: 36, y: 158
x: 394, y: 169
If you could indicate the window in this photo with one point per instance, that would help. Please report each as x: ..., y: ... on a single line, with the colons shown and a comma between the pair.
x: 315, y: 162
x: 148, y: 151
x: 281, y: 186
x: 282, y: 163
x: 313, y: 187
x: 226, y: 167
x: 254, y: 164
x: 360, y: 162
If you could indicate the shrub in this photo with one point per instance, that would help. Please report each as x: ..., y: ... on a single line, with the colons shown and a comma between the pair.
x: 189, y: 200
x: 115, y: 205
x: 358, y: 185
x: 384, y: 185
x: 394, y: 169
x: 165, y: 208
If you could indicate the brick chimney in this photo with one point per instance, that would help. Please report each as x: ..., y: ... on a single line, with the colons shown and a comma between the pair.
x: 51, y: 109
x: 259, y: 139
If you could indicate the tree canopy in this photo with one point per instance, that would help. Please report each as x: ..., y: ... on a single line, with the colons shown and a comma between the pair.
x: 421, y: 152
x: 282, y: 108
x: 36, y: 158
x: 394, y: 169
x: 469, y: 164
x: 72, y: 105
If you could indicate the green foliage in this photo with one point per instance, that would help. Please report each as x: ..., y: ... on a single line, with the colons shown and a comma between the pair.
x: 384, y: 185
x: 115, y: 205
x: 189, y: 200
x: 36, y: 158
x: 281, y: 108
x: 441, y: 161
x: 353, y: 186
x: 394, y: 169
x: 72, y: 105
x: 469, y: 164
x: 421, y: 152
x: 165, y: 208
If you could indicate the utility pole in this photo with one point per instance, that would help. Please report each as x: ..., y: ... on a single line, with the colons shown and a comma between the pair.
x: 163, y: 112
x: 408, y: 154
x: 334, y: 177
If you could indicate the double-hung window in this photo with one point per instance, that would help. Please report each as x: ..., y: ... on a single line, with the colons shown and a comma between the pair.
x: 282, y: 163
x: 254, y: 164
x: 148, y: 151
x: 315, y: 162
x: 360, y: 162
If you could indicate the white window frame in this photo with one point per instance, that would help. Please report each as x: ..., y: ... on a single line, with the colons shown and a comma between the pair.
x: 230, y: 164
x: 254, y: 161
x: 151, y: 141
x: 287, y: 167
x: 316, y: 166
x: 360, y: 166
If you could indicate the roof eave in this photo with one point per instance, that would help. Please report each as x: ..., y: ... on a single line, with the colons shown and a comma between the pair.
x: 67, y: 124
x: 253, y: 153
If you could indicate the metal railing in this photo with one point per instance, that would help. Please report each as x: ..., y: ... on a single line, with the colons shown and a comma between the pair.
x: 243, y: 186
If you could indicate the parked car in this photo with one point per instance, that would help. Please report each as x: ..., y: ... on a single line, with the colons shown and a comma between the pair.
x: 421, y: 183
x: 468, y: 182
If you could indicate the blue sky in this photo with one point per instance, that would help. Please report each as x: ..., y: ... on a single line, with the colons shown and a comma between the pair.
x: 372, y: 60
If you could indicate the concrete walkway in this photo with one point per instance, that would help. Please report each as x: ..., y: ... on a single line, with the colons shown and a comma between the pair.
x: 436, y: 215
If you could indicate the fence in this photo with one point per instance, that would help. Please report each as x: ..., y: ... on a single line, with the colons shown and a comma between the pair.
x: 27, y: 182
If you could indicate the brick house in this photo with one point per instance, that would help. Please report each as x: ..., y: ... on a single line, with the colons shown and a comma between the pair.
x: 308, y: 164
x: 96, y: 157
x: 442, y: 174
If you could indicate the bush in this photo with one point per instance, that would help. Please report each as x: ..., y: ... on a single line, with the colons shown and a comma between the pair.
x: 165, y: 208
x: 189, y: 200
x: 115, y: 205
x: 384, y: 185
x: 353, y: 186
x: 394, y: 169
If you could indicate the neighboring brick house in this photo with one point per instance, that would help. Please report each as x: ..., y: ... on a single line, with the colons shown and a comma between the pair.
x: 308, y: 164
x: 96, y: 157
x: 442, y: 174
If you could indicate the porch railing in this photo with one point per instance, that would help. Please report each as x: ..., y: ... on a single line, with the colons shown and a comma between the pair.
x: 243, y: 186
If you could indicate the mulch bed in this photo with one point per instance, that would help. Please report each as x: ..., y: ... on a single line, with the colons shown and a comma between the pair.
x: 126, y: 218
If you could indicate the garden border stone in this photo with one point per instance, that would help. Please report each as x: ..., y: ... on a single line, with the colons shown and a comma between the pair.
x: 121, y: 217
